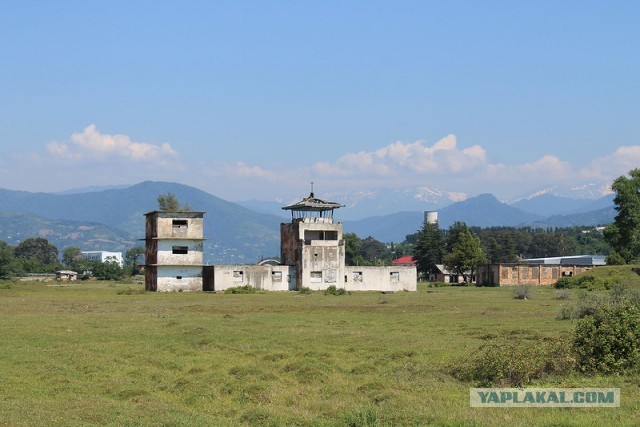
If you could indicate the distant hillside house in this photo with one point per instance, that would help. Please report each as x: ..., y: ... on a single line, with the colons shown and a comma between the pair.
x: 104, y: 256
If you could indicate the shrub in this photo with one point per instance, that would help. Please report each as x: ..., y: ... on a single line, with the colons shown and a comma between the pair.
x: 589, y: 282
x: 522, y: 292
x: 615, y: 259
x: 332, y: 290
x: 563, y: 294
x: 516, y: 363
x: 609, y: 340
x: 563, y: 283
x: 304, y: 290
x: 246, y: 289
x: 6, y: 285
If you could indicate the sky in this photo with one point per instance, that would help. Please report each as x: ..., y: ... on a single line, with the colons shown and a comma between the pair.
x: 254, y: 99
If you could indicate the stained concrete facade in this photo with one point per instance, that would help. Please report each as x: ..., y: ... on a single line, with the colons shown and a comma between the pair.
x: 383, y: 279
x: 525, y: 274
x: 173, y: 251
x: 314, y: 246
x: 312, y: 256
x: 262, y: 277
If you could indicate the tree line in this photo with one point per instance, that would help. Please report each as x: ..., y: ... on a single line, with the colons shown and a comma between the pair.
x: 36, y: 255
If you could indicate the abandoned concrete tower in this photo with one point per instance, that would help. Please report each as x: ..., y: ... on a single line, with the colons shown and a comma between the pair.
x: 313, y: 243
x: 312, y: 255
x: 173, y: 251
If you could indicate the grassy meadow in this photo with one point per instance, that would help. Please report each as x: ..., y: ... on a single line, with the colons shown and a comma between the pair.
x: 99, y: 353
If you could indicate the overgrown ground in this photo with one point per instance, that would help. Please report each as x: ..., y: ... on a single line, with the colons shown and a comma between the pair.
x: 95, y: 353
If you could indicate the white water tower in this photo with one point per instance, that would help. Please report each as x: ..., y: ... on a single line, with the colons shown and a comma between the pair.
x: 431, y: 217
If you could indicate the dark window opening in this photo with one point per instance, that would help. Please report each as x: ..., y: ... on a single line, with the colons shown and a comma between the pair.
x: 180, y: 223
x: 310, y: 235
x: 180, y: 250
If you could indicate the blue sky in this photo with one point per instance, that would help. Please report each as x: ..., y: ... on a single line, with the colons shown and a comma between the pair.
x: 255, y: 99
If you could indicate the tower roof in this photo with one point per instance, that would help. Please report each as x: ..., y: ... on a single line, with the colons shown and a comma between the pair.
x: 312, y: 203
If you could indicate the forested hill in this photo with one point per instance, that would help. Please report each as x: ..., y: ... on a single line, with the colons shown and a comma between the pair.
x: 113, y: 219
x: 234, y: 233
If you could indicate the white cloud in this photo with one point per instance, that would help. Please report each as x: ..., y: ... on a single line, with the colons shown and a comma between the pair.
x: 609, y: 167
x: 94, y: 158
x: 91, y: 144
x: 399, y: 158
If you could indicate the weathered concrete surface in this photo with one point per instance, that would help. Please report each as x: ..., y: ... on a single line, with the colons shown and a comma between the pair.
x: 383, y: 279
x: 525, y: 274
x: 263, y: 277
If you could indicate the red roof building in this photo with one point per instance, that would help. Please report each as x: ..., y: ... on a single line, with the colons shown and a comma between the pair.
x: 405, y: 260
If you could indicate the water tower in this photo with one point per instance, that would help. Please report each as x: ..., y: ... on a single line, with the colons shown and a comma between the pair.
x: 431, y: 217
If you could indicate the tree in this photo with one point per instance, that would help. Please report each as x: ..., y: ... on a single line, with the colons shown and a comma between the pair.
x: 374, y: 251
x: 37, y: 254
x: 624, y: 234
x: 169, y: 202
x: 429, y: 248
x: 72, y: 258
x: 107, y: 270
x: 7, y: 262
x: 453, y: 234
x: 352, y: 245
x: 466, y: 254
x: 132, y: 259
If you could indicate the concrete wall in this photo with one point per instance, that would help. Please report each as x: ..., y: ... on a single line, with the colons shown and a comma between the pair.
x: 314, y: 246
x: 179, y: 278
x: 383, y: 279
x: 322, y: 265
x: 525, y: 274
x: 165, y: 255
x: 170, y: 225
x: 263, y: 277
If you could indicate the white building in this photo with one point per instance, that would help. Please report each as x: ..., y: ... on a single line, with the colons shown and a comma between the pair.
x: 104, y: 256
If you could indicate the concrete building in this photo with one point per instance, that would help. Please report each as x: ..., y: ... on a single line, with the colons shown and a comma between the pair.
x: 526, y: 274
x: 312, y: 243
x: 173, y: 251
x: 312, y: 256
x: 104, y: 256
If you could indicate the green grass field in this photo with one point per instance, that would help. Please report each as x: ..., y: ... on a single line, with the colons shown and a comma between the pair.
x: 95, y: 353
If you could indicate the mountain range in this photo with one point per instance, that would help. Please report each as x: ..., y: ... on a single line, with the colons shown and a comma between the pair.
x: 113, y: 218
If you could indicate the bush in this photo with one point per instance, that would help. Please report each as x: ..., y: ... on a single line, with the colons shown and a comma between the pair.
x: 522, y: 292
x: 516, y: 363
x: 246, y: 289
x: 332, y: 290
x: 563, y: 294
x: 615, y: 259
x: 609, y: 340
x: 589, y: 282
x: 304, y: 290
x: 588, y: 304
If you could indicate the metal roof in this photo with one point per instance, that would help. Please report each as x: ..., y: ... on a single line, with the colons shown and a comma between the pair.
x: 312, y: 203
